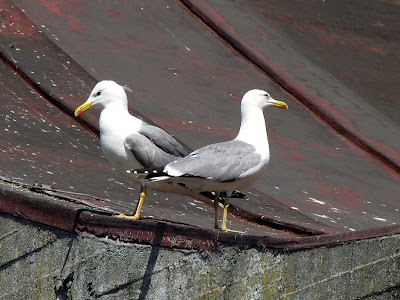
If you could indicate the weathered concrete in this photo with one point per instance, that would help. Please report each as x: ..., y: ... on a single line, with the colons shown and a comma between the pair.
x: 41, y: 262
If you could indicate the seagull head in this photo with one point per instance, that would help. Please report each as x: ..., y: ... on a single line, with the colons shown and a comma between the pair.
x: 261, y: 99
x: 105, y: 92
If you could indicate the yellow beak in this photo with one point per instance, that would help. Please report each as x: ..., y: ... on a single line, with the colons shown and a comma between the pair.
x: 81, y: 109
x: 280, y: 104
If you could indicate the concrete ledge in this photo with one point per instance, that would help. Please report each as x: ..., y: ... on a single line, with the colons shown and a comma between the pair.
x: 42, y: 262
x: 82, y: 219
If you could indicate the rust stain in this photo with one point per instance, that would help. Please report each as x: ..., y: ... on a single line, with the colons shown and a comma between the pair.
x: 393, y: 2
x: 14, y: 23
x: 393, y: 154
x: 338, y: 113
x: 333, y: 39
x: 293, y: 155
x: 54, y: 7
x: 63, y: 8
x: 338, y: 39
x: 389, y: 97
x: 196, y: 126
x: 308, y: 147
x: 394, y: 197
x: 300, y: 26
x: 189, y: 68
x: 283, y: 16
x: 76, y: 25
x: 113, y: 13
x: 67, y: 10
x: 344, y: 195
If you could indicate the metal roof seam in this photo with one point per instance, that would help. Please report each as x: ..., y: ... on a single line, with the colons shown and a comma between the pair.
x: 262, y: 66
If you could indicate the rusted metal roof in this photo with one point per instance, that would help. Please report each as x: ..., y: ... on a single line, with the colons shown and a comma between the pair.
x: 335, y: 156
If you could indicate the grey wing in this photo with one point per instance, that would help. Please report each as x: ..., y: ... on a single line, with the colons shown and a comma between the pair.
x: 222, y: 162
x: 146, y: 153
x: 163, y: 140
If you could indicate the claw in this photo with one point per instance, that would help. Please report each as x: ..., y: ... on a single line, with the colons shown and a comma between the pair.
x: 136, y: 214
x: 129, y: 217
x: 230, y: 230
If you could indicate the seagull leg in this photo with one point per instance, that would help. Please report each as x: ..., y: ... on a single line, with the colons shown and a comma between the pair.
x: 226, y: 205
x: 140, y: 202
x: 216, y: 204
x: 135, y: 216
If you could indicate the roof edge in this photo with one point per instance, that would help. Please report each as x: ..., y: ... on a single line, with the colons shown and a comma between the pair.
x: 73, y: 217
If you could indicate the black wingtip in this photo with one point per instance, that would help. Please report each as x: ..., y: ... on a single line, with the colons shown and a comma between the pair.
x: 235, y: 194
x: 148, y: 173
x: 238, y: 194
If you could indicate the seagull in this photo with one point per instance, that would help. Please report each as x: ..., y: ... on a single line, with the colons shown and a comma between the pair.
x: 226, y: 166
x: 130, y: 143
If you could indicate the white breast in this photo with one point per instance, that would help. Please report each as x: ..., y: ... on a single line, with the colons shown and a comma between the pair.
x: 115, y: 126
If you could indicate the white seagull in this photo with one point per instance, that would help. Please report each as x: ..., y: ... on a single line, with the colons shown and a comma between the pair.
x: 226, y: 166
x: 130, y: 143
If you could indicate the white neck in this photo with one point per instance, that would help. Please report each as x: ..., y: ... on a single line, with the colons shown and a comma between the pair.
x: 116, y: 117
x: 253, y: 130
x: 118, y: 103
x: 252, y: 126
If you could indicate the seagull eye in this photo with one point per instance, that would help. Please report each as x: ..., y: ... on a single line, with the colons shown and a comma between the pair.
x: 266, y: 95
x: 98, y: 93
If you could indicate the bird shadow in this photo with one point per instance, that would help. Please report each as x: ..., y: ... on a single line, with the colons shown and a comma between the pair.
x: 155, y: 250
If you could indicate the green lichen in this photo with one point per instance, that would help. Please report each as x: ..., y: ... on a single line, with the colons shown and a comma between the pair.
x: 270, y: 284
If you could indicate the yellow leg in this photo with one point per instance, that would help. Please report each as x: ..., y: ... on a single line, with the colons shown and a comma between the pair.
x: 135, y: 216
x: 223, y: 226
x: 139, y: 203
x: 216, y: 226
